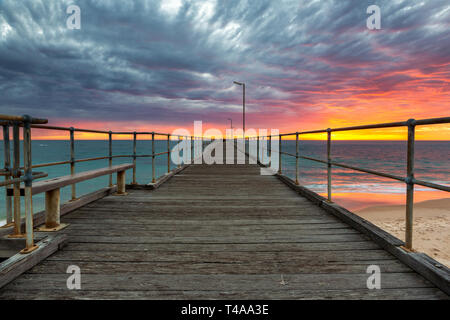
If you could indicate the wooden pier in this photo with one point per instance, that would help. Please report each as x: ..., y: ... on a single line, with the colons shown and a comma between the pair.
x: 216, y: 232
x: 202, y: 231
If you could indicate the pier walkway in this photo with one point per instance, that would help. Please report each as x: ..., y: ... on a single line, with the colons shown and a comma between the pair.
x: 216, y: 231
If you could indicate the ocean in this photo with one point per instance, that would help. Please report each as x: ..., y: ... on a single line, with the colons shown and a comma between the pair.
x: 352, y: 189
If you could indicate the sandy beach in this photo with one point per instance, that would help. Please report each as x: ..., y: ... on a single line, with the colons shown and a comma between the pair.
x: 431, y: 225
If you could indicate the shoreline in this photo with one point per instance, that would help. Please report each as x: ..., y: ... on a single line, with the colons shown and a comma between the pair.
x: 431, y: 229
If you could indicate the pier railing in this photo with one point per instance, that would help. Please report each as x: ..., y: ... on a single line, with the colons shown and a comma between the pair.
x: 15, y: 174
x: 408, y: 179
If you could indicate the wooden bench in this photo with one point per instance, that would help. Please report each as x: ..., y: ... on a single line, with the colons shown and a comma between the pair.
x: 52, y: 187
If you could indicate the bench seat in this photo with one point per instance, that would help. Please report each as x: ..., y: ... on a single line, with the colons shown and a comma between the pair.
x: 59, y: 182
x: 52, y: 187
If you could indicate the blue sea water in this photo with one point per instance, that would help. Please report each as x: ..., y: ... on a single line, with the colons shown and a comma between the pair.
x: 432, y: 163
x: 47, y: 151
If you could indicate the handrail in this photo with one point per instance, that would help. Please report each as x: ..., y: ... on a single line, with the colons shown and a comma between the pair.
x: 15, y: 177
x: 35, y: 175
x: 24, y: 118
x: 413, y: 122
x: 39, y: 126
x: 15, y: 174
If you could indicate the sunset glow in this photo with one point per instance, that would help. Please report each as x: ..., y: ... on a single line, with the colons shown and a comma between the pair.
x: 154, y: 66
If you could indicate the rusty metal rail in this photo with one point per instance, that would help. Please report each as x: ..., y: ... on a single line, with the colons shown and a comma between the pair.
x: 408, y: 179
x: 14, y: 174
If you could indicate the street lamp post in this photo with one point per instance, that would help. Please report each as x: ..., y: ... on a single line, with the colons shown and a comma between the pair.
x: 243, y: 105
x: 231, y: 124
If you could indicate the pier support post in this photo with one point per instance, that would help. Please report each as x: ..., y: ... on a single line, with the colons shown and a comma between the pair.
x: 329, y: 163
x: 52, y: 211
x: 7, y: 155
x: 121, y: 183
x: 257, y: 149
x: 296, y: 158
x: 153, y: 158
x: 16, y: 187
x: 181, y: 139
x: 28, y: 181
x: 168, y: 153
x: 279, y: 155
x: 262, y: 149
x: 110, y: 157
x: 192, y: 150
x: 410, y: 185
x: 72, y: 162
x: 134, y: 157
x: 52, y: 208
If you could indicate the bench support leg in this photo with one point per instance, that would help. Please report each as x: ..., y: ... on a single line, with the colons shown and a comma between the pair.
x: 121, y: 184
x: 52, y: 211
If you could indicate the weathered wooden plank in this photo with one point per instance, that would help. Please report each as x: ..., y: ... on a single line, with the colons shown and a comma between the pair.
x: 89, y: 220
x: 200, y: 213
x: 194, y: 216
x: 149, y: 255
x: 254, y: 267
x: 245, y: 211
x: 222, y: 282
x: 243, y: 294
x: 19, y: 263
x: 213, y: 239
x: 432, y: 270
x: 244, y: 247
x: 263, y: 203
x: 217, y: 232
x: 211, y: 227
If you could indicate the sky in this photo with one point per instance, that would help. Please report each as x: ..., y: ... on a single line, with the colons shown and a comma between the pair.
x: 161, y: 65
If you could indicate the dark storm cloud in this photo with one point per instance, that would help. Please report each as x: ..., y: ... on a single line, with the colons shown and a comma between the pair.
x: 176, y: 60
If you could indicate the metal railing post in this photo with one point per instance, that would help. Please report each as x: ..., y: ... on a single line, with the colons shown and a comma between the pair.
x: 257, y: 148
x: 28, y: 181
x: 192, y: 150
x: 296, y: 158
x: 270, y: 147
x: 134, y: 156
x: 329, y: 163
x: 168, y: 153
x: 246, y: 142
x: 72, y: 161
x: 262, y: 149
x: 153, y: 158
x: 279, y: 155
x: 181, y: 140
x: 16, y: 187
x: 110, y: 157
x: 410, y: 185
x: 7, y: 155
